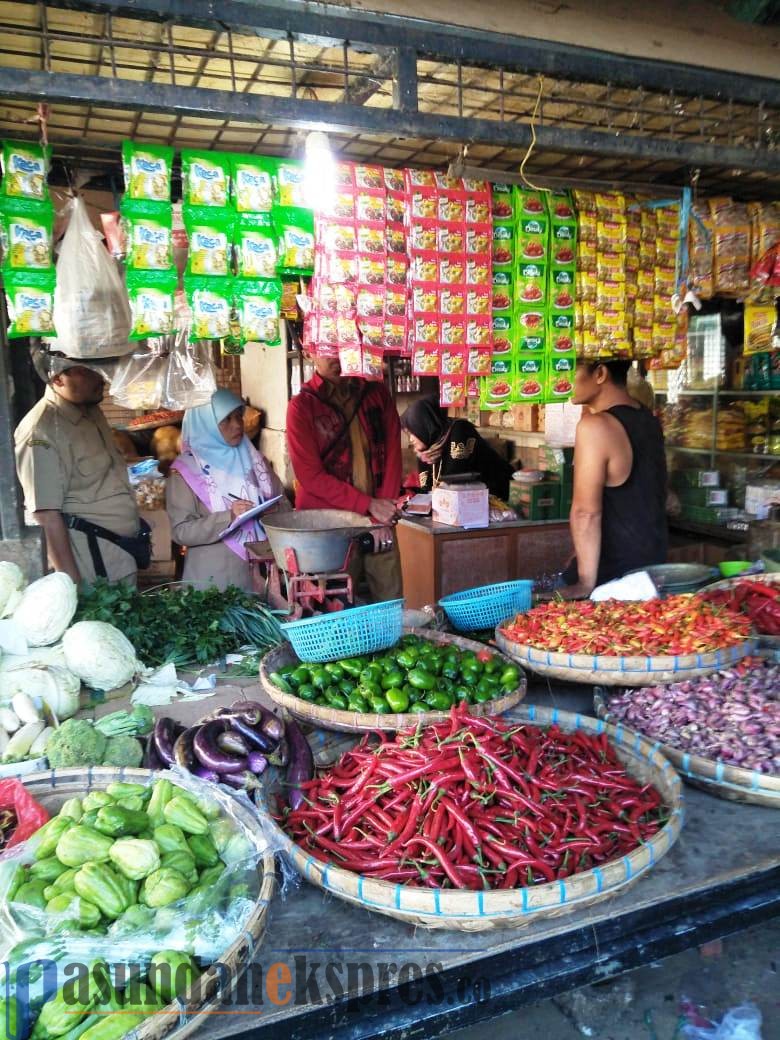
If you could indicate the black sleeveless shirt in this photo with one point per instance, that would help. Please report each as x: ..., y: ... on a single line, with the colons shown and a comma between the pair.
x: 634, y: 531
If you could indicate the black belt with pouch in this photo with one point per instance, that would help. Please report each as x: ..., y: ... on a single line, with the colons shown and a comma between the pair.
x: 139, y: 545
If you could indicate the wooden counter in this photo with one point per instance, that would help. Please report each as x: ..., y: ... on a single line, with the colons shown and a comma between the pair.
x: 437, y: 559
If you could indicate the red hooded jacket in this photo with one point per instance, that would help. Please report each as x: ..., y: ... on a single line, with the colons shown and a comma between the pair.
x: 314, y: 425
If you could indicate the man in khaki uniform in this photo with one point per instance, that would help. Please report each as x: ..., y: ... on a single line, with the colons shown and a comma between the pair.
x: 69, y: 467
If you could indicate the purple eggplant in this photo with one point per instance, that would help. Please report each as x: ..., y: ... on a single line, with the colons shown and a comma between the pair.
x: 204, y: 745
x: 254, y: 737
x: 252, y: 716
x: 243, y: 781
x: 257, y: 762
x: 163, y: 740
x: 151, y: 758
x: 206, y: 774
x: 281, y: 756
x: 183, y: 748
x: 269, y: 724
x: 301, y: 766
x: 273, y: 727
x: 233, y: 743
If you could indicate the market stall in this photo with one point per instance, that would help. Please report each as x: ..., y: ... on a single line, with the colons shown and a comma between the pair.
x: 498, y: 838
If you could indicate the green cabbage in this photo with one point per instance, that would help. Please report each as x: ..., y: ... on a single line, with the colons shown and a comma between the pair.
x: 100, y: 655
x: 46, y: 609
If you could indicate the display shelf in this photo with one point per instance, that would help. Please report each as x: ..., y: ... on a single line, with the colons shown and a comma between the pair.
x: 744, y: 455
x: 720, y: 393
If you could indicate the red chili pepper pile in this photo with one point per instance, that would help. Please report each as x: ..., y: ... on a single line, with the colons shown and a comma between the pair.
x: 475, y: 803
x: 759, y: 600
x: 676, y: 625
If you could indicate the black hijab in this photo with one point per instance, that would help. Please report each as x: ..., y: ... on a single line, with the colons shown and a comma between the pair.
x: 426, y: 420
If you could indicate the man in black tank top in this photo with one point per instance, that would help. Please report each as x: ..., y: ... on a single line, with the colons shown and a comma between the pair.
x: 618, y: 515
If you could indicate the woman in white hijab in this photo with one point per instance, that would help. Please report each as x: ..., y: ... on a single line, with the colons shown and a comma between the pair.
x: 218, y: 477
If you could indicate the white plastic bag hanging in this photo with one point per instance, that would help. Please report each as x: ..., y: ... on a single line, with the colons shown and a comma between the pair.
x: 91, y: 309
x: 139, y: 380
x: 190, y: 378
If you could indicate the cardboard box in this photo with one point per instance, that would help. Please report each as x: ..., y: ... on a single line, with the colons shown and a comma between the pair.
x: 539, y: 501
x: 461, y: 505
x: 524, y: 417
x: 158, y: 520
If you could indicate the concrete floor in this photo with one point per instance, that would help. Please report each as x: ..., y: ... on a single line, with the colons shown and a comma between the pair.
x: 645, y: 1004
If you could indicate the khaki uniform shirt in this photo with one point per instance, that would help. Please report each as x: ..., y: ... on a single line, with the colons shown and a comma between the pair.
x: 66, y: 461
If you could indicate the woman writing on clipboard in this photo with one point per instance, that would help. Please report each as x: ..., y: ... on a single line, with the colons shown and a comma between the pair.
x: 219, y: 477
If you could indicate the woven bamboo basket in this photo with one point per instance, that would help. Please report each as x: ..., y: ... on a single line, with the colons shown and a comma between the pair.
x: 724, y: 781
x: 621, y: 671
x: 179, y: 1019
x: 514, y: 908
x: 353, y: 722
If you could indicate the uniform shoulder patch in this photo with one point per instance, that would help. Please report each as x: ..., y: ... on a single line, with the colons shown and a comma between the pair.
x: 38, y: 442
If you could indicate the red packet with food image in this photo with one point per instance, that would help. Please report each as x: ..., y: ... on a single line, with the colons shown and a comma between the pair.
x: 452, y: 391
x: 325, y: 330
x: 371, y: 239
x: 472, y: 386
x: 337, y: 235
x: 345, y: 177
x: 351, y: 360
x: 478, y: 270
x: 347, y: 332
x: 450, y: 238
x: 425, y: 299
x: 426, y: 330
x: 394, y: 335
x: 423, y: 235
x: 395, y: 238
x: 373, y: 363
x: 453, y: 361
x: 370, y: 206
x: 425, y: 360
x: 445, y: 182
x: 370, y: 301
x: 425, y: 267
x: 370, y: 270
x: 452, y: 300
x: 478, y: 239
x: 371, y: 331
x: 340, y: 267
x: 451, y: 207
x: 396, y: 208
x: 452, y: 332
x: 452, y: 269
x: 342, y: 207
x: 419, y: 179
x: 395, y: 302
x: 478, y: 361
x: 478, y: 300
x: 369, y: 177
x: 424, y: 204
x: 396, y: 270
x: 479, y: 332
x: 394, y: 180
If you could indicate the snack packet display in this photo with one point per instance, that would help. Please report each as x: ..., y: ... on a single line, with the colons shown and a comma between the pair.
x: 290, y: 184
x: 452, y: 391
x: 26, y: 229
x: 147, y: 169
x: 253, y: 183
x: 529, y: 379
x: 258, y: 309
x: 205, y: 178
x: 151, y: 296
x: 30, y: 299
x: 295, y: 230
x: 210, y: 232
x: 210, y: 299
x: 25, y: 168
x: 760, y: 322
x: 559, y: 378
x: 495, y: 392
x: 148, y: 232
x: 256, y: 246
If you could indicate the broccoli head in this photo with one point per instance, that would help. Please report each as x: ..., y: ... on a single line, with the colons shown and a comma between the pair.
x: 123, y: 751
x: 75, y: 743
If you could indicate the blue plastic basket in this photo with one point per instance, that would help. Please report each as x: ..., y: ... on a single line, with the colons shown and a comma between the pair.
x: 487, y: 605
x: 347, y: 633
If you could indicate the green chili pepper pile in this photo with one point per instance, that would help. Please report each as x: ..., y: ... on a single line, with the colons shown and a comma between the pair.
x: 416, y: 676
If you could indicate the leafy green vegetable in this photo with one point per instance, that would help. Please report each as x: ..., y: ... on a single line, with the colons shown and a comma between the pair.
x: 184, y: 626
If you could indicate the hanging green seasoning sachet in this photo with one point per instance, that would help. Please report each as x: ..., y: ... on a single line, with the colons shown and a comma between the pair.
x: 148, y: 227
x: 205, y: 178
x: 30, y: 297
x: 253, y: 180
x: 295, y: 228
x: 210, y: 233
x: 147, y: 169
x: 25, y: 167
x: 210, y: 299
x: 290, y: 190
x: 256, y: 246
x: 26, y: 229
x: 151, y: 295
x: 258, y: 306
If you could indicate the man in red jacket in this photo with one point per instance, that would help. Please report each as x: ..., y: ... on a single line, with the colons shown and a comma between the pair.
x: 344, y: 438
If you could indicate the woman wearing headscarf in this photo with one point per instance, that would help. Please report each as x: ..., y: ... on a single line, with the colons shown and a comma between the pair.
x: 444, y: 447
x: 218, y: 477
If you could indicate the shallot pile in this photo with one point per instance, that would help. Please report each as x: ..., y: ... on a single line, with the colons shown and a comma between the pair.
x: 733, y: 716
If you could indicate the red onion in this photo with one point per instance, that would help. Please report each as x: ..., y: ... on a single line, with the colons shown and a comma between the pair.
x: 733, y: 716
